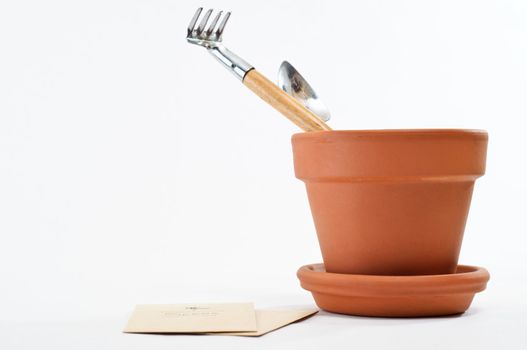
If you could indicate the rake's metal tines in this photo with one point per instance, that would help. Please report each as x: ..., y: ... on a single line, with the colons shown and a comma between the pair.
x: 209, y: 37
x: 199, y: 33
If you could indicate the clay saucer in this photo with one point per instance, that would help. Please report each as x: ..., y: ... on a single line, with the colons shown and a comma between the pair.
x: 394, y: 296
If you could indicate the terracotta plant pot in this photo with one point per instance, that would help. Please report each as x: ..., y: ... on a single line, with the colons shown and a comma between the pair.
x: 390, y: 202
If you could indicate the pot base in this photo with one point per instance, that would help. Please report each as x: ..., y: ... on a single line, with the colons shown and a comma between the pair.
x: 394, y: 296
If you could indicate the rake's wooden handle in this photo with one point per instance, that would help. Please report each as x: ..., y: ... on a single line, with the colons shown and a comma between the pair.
x: 282, y: 102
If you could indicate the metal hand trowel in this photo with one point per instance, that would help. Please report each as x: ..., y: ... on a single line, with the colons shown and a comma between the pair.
x: 290, y: 80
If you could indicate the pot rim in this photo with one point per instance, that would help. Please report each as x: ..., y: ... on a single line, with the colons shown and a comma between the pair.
x: 396, y: 154
x: 370, y: 133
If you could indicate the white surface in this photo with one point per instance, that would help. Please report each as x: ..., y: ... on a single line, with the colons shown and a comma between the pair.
x: 134, y: 169
x: 488, y: 328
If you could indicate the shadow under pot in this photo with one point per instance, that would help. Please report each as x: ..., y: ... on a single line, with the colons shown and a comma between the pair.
x: 390, y: 202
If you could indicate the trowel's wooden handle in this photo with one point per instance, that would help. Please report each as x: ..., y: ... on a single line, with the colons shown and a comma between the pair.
x: 282, y: 102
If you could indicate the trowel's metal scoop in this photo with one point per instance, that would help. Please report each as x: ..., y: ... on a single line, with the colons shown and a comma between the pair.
x: 295, y: 85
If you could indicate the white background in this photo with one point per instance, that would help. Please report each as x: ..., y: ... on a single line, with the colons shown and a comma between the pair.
x: 135, y: 169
